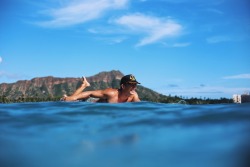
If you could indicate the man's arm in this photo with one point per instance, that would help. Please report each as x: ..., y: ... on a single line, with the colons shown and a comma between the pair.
x: 87, y: 94
x: 136, y: 98
x: 94, y: 93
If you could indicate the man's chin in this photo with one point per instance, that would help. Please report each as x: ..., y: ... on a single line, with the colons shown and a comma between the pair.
x: 132, y: 92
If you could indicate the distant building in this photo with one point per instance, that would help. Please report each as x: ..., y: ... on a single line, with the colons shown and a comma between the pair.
x: 244, y: 98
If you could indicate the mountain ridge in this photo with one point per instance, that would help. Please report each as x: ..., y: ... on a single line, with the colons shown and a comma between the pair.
x: 55, y: 87
x: 51, y: 88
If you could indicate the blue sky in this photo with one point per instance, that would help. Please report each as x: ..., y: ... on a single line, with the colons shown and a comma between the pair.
x: 189, y: 48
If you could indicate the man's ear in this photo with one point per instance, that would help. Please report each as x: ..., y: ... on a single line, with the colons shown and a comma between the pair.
x: 122, y: 86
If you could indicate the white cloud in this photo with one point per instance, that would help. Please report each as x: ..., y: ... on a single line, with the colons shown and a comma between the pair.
x: 112, y: 40
x: 240, y: 76
x: 181, y: 44
x: 204, y: 91
x: 155, y: 28
x: 7, y: 77
x: 217, y: 39
x: 78, y: 12
x: 1, y: 59
x: 216, y: 11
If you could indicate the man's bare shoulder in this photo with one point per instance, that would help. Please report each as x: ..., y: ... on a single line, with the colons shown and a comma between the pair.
x: 135, y: 97
x: 110, y: 91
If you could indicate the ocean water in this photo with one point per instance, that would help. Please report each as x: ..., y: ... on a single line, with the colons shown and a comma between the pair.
x: 82, y: 134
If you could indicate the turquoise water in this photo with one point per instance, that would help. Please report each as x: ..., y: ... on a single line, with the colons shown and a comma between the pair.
x: 81, y: 134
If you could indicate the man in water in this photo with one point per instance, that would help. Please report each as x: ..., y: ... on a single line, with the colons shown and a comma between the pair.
x: 126, y: 92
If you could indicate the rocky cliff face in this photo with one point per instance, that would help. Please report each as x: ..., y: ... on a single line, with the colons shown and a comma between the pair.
x: 106, y: 76
x: 52, y: 86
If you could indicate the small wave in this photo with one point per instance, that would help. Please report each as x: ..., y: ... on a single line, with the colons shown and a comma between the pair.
x: 83, y: 133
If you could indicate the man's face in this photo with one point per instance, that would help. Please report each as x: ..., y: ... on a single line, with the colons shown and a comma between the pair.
x: 131, y: 87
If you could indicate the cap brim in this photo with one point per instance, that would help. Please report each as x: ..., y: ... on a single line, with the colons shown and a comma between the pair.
x: 134, y: 82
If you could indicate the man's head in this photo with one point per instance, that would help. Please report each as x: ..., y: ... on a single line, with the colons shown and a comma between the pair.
x: 128, y: 84
x: 129, y: 79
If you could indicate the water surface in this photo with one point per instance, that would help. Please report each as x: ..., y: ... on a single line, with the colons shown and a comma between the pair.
x: 78, y: 134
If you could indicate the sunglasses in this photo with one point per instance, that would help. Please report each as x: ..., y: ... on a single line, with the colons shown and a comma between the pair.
x: 132, y: 84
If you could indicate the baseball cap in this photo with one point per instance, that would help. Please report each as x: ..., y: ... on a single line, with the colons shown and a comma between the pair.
x: 129, y: 79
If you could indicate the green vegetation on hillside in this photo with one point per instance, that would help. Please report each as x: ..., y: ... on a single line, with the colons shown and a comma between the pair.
x: 145, y: 94
x: 52, y: 89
